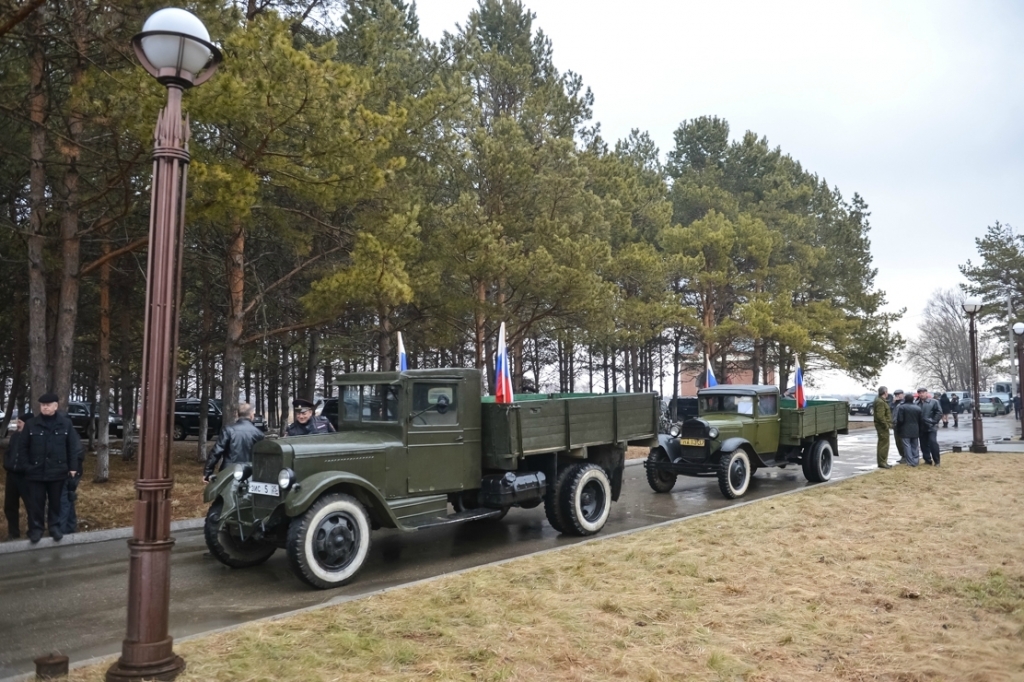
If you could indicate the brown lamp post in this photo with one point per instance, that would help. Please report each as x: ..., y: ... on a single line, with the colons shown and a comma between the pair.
x: 1018, y: 331
x: 175, y: 48
x: 971, y: 306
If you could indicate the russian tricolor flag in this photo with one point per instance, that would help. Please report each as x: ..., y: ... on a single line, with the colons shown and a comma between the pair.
x: 403, y: 362
x: 709, y: 381
x: 502, y: 371
x: 801, y: 399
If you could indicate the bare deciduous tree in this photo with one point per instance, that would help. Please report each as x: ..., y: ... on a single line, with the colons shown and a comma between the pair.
x: 941, y: 353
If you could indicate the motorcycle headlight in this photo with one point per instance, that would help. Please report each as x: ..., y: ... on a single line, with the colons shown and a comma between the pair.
x: 712, y: 432
x: 674, y: 431
x: 242, y: 472
x: 285, y: 478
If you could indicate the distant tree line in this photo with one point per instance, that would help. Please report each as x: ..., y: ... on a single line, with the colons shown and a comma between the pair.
x: 352, y: 180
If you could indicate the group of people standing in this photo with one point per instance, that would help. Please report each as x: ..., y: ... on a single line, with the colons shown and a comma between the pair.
x: 44, y: 461
x: 915, y: 420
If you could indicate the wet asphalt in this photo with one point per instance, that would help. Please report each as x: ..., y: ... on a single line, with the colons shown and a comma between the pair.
x: 71, y: 598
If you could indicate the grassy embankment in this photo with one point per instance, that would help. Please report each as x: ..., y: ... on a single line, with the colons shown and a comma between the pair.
x: 908, y: 574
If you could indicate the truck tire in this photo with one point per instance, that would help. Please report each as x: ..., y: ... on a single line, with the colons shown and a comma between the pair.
x: 329, y: 543
x: 179, y: 431
x: 585, y: 499
x: 734, y: 472
x: 817, y: 464
x: 552, y: 508
x: 228, y: 549
x: 660, y: 481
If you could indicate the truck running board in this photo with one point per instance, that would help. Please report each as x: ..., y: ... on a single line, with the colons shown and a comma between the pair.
x: 458, y: 517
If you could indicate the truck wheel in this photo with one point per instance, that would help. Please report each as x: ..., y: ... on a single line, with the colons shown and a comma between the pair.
x: 818, y: 464
x: 585, y: 499
x: 328, y: 544
x: 734, y: 473
x: 660, y: 481
x: 230, y: 550
x: 552, y: 508
x: 179, y: 431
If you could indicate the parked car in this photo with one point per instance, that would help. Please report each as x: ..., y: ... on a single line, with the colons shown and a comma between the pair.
x: 85, y: 423
x: 864, y: 404
x: 186, y: 418
x: 966, y: 400
x: 990, y: 406
x: 259, y: 422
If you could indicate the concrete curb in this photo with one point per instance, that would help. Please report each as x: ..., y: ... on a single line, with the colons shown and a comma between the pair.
x: 87, y: 538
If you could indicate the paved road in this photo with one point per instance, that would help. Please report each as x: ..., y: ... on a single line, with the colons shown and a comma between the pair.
x: 72, y: 598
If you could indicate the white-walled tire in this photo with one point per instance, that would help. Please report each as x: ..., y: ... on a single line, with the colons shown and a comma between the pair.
x: 585, y: 499
x: 734, y: 472
x: 329, y: 543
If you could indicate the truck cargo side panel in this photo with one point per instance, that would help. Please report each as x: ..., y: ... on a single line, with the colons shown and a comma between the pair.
x: 543, y: 426
x: 589, y: 421
x: 633, y: 417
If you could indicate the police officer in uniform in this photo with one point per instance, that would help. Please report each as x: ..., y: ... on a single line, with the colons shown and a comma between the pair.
x: 306, y: 422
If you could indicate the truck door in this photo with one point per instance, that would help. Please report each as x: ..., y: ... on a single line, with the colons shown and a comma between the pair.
x: 436, y: 437
x: 767, y: 439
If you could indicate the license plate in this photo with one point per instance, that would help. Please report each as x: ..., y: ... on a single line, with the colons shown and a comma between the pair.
x: 695, y: 442
x: 264, y: 488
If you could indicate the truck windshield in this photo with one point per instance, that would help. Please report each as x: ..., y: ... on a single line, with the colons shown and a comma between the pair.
x: 371, y: 403
x: 733, y: 404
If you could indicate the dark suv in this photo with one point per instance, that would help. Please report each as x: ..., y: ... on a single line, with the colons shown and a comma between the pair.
x: 85, y: 424
x: 186, y: 417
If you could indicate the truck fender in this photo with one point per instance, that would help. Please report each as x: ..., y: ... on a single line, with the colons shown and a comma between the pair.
x: 217, y: 486
x: 670, y: 445
x: 734, y: 444
x: 312, y: 487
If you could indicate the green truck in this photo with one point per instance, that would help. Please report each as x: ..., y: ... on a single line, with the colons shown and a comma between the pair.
x: 418, y: 449
x: 740, y: 429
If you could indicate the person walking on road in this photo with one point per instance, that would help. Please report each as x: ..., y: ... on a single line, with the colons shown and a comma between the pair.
x: 15, y: 489
x: 931, y: 415
x: 897, y: 403
x: 883, y: 422
x: 51, y: 447
x: 954, y: 405
x: 306, y: 422
x: 908, y: 429
x: 947, y: 407
x: 235, y: 443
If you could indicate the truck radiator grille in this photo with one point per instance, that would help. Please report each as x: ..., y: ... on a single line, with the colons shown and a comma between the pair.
x: 692, y: 430
x: 266, y: 467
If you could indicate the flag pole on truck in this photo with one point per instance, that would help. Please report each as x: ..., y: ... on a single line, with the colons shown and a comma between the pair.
x: 502, y: 372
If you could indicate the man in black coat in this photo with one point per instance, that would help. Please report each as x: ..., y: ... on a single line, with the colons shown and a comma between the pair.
x: 53, y: 451
x: 908, y: 428
x: 14, y: 486
x: 931, y: 415
x: 306, y: 422
x: 235, y: 443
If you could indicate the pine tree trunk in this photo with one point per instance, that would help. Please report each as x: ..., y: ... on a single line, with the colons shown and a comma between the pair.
x: 103, y: 447
x: 479, y: 330
x: 205, y: 371
x: 38, y: 367
x: 235, y: 323
x: 286, y: 382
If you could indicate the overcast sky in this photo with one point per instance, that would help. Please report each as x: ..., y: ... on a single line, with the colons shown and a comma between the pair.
x: 913, y: 105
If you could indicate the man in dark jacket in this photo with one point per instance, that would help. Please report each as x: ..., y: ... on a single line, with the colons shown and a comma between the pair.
x: 15, y: 487
x: 897, y: 402
x: 306, y: 422
x: 52, y: 450
x: 908, y: 428
x: 931, y: 415
x: 947, y: 407
x: 235, y: 443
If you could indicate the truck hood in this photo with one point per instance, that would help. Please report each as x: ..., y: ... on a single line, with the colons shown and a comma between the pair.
x: 340, y: 443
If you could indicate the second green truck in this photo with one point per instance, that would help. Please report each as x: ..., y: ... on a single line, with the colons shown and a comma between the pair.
x: 740, y: 429
x: 418, y: 449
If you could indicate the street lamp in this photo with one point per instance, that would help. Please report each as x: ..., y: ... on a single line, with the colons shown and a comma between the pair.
x: 1018, y: 331
x: 175, y: 48
x: 971, y: 307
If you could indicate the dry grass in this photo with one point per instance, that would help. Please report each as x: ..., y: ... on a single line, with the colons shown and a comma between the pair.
x: 908, y: 574
x: 109, y: 505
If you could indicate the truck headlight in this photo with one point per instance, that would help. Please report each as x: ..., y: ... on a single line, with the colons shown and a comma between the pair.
x: 674, y: 431
x: 242, y: 472
x: 712, y: 433
x: 286, y: 478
